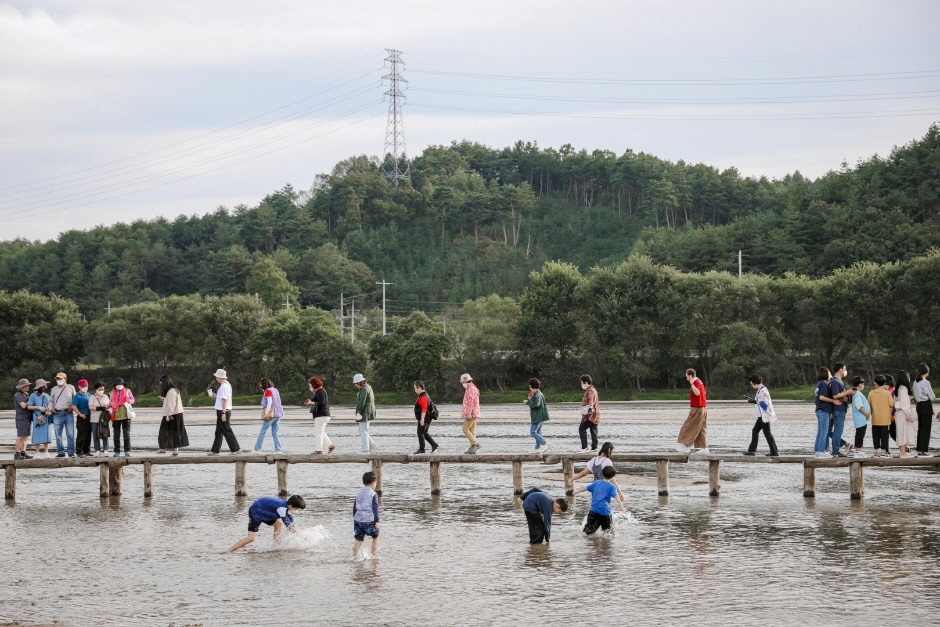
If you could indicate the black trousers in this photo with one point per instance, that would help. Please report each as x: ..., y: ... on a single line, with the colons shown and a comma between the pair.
x: 224, y: 429
x: 860, y: 436
x: 595, y: 521
x: 759, y: 426
x: 537, y: 531
x: 424, y: 435
x: 924, y: 418
x: 587, y: 425
x: 122, y: 425
x: 879, y: 435
x: 83, y: 437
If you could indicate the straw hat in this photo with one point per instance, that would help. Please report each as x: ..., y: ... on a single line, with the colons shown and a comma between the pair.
x: 465, y: 378
x: 220, y: 374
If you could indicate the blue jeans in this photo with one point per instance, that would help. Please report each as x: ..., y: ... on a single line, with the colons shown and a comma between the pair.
x: 822, y: 430
x: 65, y: 419
x: 265, y: 425
x: 835, y: 430
x: 536, y: 432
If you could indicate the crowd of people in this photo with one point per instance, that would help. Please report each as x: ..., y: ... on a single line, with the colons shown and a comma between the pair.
x: 82, y: 420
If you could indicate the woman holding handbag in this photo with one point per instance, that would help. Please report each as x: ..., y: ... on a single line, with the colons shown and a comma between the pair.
x: 100, y: 407
x: 122, y: 412
x: 271, y: 412
x: 173, y: 435
x: 590, y: 413
x: 320, y: 410
x: 38, y: 402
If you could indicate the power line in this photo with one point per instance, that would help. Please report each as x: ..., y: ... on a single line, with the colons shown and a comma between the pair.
x: 699, y: 82
x: 185, y: 141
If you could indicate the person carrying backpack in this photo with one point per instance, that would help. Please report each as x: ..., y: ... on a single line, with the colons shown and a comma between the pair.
x: 425, y: 412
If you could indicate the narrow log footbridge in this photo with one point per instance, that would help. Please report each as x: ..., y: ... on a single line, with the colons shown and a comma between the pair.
x: 111, y: 469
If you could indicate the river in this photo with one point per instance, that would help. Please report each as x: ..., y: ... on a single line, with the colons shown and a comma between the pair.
x: 758, y: 554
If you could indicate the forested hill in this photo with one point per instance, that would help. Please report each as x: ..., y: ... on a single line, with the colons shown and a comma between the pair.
x: 476, y: 221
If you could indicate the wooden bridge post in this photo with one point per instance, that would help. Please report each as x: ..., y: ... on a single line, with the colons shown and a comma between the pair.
x: 116, y: 478
x: 435, y: 478
x: 809, y: 481
x: 662, y: 476
x: 517, y: 478
x: 9, y: 491
x: 148, y: 480
x: 714, y: 477
x: 282, y: 489
x: 104, y: 474
x: 241, y: 478
x: 856, y: 481
x: 567, y: 467
x: 377, y: 469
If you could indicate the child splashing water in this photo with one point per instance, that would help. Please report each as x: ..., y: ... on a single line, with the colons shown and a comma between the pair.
x: 601, y: 493
x: 271, y: 511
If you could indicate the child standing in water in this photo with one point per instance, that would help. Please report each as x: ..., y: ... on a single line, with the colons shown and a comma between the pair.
x: 271, y: 511
x: 539, y: 507
x: 366, y: 515
x: 601, y: 493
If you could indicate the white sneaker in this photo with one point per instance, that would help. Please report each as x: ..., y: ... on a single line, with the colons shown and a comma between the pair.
x: 682, y: 448
x: 859, y: 454
x: 702, y: 451
x: 905, y: 456
x: 824, y: 455
x: 542, y: 448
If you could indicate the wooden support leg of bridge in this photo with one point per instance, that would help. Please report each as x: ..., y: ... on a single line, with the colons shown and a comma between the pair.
x: 115, y: 478
x: 377, y: 469
x: 714, y: 477
x: 517, y: 478
x: 662, y: 476
x: 9, y: 491
x: 104, y: 475
x: 241, y: 478
x: 435, y: 477
x: 282, y: 488
x: 809, y: 482
x: 856, y: 481
x: 148, y: 480
x: 567, y: 467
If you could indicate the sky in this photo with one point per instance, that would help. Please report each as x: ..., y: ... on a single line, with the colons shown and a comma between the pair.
x: 113, y: 111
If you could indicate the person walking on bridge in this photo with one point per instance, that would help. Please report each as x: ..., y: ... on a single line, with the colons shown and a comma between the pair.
x: 693, y: 433
x: 764, y: 411
x: 470, y: 411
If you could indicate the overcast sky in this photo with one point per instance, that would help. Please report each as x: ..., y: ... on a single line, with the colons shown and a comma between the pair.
x: 115, y: 110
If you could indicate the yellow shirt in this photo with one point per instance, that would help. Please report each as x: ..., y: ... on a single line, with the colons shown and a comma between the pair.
x: 881, y: 404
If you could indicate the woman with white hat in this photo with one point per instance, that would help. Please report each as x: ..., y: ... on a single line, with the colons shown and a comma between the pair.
x: 223, y: 415
x: 365, y: 412
x: 38, y: 403
x: 470, y: 411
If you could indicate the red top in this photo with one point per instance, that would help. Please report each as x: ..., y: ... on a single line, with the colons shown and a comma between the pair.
x: 697, y: 401
x: 423, y: 403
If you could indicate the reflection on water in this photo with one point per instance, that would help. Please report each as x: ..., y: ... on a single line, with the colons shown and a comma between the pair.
x: 758, y: 554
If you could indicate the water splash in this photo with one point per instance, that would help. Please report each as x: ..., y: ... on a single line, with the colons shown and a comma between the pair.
x: 620, y: 522
x: 305, y: 539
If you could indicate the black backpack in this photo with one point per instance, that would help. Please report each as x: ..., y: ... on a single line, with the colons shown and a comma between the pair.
x: 432, y: 414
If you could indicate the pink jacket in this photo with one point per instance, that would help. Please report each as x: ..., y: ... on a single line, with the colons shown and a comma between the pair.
x: 471, y: 402
x: 120, y: 397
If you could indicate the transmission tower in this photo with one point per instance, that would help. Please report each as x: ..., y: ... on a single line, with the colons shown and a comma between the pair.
x: 395, y: 129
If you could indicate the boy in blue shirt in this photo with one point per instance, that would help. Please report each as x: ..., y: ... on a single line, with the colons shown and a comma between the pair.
x: 601, y: 493
x: 366, y: 514
x: 271, y: 511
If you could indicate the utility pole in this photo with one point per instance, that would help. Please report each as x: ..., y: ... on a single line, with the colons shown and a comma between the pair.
x: 287, y: 302
x: 108, y: 308
x: 394, y: 128
x: 353, y: 333
x: 739, y: 263
x: 341, y: 314
x: 383, y: 284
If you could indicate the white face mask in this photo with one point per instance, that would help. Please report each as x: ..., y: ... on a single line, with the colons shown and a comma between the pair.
x: 99, y: 392
x: 584, y: 386
x: 60, y: 382
x: 465, y: 384
x: 83, y: 390
x: 118, y: 387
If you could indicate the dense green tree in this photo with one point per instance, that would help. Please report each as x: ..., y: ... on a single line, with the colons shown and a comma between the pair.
x: 548, y: 322
x: 38, y: 335
x: 413, y: 351
x: 271, y: 285
x: 485, y: 333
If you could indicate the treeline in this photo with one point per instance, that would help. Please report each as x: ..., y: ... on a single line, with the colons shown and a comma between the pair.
x: 632, y: 326
x: 476, y: 221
